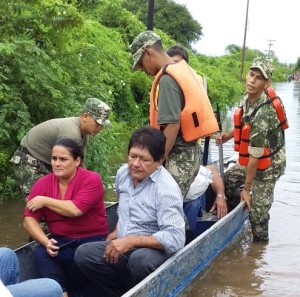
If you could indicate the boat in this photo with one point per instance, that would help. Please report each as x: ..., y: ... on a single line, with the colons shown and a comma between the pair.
x: 173, y: 277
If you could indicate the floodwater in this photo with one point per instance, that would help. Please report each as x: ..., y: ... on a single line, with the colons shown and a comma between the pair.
x: 252, y: 269
x: 244, y: 268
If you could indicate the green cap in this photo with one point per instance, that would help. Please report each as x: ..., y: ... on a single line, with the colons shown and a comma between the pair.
x: 264, y: 65
x: 99, y: 110
x: 140, y: 43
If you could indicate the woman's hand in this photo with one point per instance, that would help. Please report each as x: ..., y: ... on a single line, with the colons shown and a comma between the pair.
x: 36, y: 203
x: 52, y: 248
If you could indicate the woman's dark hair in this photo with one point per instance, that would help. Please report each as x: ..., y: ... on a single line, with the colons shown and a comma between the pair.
x: 150, y: 138
x: 75, y: 149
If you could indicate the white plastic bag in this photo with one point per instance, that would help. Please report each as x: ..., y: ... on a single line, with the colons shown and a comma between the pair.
x: 200, y: 184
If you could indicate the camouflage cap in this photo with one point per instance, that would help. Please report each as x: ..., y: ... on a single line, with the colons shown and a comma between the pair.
x: 140, y: 43
x: 264, y: 65
x: 98, y: 110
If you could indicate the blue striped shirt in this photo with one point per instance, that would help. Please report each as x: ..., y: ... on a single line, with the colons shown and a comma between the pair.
x: 154, y: 207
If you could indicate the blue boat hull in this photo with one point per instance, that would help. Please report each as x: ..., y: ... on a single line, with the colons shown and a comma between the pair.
x: 172, y: 277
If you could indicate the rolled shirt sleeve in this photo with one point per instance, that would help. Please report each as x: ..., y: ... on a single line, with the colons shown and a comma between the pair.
x: 256, y: 152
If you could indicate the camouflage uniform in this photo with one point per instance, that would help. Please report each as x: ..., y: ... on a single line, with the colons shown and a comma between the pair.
x: 184, y: 166
x: 27, y: 170
x: 264, y: 132
x: 32, y: 159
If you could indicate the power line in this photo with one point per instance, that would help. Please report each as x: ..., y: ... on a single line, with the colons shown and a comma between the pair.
x: 270, y: 44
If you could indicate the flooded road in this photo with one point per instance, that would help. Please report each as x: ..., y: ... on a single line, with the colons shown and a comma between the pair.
x: 244, y: 268
x: 251, y: 269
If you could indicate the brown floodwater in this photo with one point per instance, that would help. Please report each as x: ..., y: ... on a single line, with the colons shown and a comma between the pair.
x: 12, y: 233
x: 244, y: 268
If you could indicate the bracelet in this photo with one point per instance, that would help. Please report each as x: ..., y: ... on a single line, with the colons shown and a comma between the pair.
x: 222, y: 196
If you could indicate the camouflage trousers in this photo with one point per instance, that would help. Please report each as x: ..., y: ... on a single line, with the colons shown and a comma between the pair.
x: 184, y: 166
x: 27, y: 170
x: 262, y: 196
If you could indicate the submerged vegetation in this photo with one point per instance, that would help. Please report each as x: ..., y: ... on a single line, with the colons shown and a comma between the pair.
x: 55, y: 54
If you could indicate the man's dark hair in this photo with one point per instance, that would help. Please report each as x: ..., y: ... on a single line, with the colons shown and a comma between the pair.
x: 75, y: 149
x: 178, y: 50
x: 150, y: 138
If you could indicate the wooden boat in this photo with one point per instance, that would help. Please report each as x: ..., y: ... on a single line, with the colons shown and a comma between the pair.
x: 173, y: 276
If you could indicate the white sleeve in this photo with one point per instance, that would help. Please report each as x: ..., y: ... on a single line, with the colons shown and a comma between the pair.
x: 3, y: 291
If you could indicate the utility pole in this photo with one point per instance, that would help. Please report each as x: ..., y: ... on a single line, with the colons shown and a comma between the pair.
x: 270, y: 44
x: 244, y: 43
x: 150, y: 14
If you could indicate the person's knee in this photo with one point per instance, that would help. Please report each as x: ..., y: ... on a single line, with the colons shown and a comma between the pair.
x: 9, y: 271
x: 7, y: 253
x: 42, y: 287
x: 89, y: 252
x: 80, y: 255
x: 142, y: 262
x: 40, y: 252
x: 52, y: 286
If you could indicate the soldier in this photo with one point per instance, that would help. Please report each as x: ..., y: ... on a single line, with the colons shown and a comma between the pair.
x: 261, y: 147
x: 33, y: 157
x: 193, y: 206
x: 178, y: 103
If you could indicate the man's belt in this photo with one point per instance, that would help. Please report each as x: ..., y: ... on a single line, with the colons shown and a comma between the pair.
x: 31, y: 160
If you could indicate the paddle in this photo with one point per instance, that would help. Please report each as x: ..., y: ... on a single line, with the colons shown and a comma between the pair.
x: 221, y: 159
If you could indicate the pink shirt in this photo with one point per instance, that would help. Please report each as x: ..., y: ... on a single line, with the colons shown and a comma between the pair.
x: 87, y: 192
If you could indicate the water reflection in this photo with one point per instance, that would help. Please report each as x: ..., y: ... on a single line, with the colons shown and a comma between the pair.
x: 225, y: 278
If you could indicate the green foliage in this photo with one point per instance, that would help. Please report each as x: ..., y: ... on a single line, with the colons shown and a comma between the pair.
x: 8, y: 187
x: 172, y: 18
x: 109, y: 151
x: 55, y: 54
x: 112, y: 15
x: 221, y: 74
x: 297, y: 66
x: 233, y: 49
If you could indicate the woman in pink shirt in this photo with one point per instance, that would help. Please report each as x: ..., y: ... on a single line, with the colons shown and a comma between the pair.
x: 71, y: 201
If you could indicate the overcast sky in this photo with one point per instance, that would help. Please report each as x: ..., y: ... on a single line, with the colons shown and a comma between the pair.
x: 272, y: 24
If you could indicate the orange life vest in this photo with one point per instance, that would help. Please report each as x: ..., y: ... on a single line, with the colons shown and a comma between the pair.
x: 283, y: 123
x: 237, y: 121
x: 264, y: 161
x: 241, y: 132
x: 197, y: 118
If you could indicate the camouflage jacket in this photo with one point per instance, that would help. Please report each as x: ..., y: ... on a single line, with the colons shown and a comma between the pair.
x: 265, y: 132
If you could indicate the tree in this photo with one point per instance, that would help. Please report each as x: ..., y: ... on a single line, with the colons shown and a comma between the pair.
x: 297, y: 66
x: 172, y: 18
x: 233, y: 49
